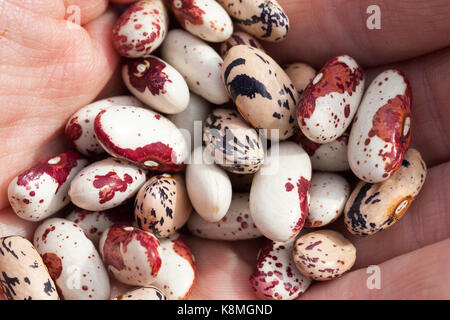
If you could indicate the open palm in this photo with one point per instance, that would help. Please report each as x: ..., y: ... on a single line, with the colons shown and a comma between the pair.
x: 50, y: 67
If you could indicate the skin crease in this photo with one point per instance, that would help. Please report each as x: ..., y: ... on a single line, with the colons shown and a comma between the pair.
x: 43, y: 82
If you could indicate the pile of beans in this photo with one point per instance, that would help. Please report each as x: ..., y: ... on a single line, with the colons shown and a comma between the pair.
x: 268, y: 163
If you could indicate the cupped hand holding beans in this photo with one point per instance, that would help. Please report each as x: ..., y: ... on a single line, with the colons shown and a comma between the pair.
x: 362, y: 118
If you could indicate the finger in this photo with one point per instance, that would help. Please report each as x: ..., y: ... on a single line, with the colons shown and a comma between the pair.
x: 88, y: 10
x: 114, y: 87
x: 322, y: 29
x: 428, y: 76
x: 47, y: 81
x: 49, y: 8
x: 223, y: 268
x: 417, y: 275
x: 427, y: 221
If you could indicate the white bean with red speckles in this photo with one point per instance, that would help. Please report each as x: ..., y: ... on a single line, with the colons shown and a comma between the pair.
x: 381, y: 132
x: 156, y: 83
x: 23, y: 275
x: 199, y: 63
x: 205, y: 19
x: 144, y: 293
x: 330, y: 100
x: 131, y: 255
x: 208, y: 186
x: 279, y: 192
x: 41, y: 191
x: 80, y: 127
x: 178, y: 272
x: 141, y: 29
x: 72, y: 260
x: 106, y: 184
x: 236, y: 225
x: 328, y: 194
x: 143, y: 137
x: 94, y: 223
x: 275, y: 276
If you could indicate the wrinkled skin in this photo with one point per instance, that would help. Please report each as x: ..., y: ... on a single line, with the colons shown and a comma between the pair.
x: 49, y: 68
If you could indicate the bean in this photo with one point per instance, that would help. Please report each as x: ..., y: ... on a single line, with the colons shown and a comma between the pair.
x: 178, y: 272
x: 279, y: 192
x: 162, y: 205
x: 80, y: 127
x: 261, y: 90
x: 145, y: 138
x: 157, y: 84
x: 106, y: 184
x: 265, y: 19
x: 381, y: 132
x: 205, y: 19
x: 144, y: 293
x: 42, y: 190
x: 23, y: 274
x: 328, y: 194
x: 275, y: 276
x: 198, y: 62
x: 131, y: 255
x: 323, y: 255
x: 72, y: 260
x: 330, y: 100
x: 375, y: 207
x: 237, y: 224
x: 208, y: 186
x: 233, y: 144
x: 141, y: 29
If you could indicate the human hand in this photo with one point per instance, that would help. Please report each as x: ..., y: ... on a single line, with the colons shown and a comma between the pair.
x: 63, y: 67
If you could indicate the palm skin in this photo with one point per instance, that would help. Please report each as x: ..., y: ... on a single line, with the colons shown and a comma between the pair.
x: 49, y: 68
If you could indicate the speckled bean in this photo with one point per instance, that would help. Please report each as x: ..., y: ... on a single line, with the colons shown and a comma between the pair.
x: 275, y: 276
x: 330, y: 100
x: 23, y: 275
x: 279, y: 193
x: 131, y: 255
x: 265, y: 19
x: 41, y: 191
x: 328, y: 194
x: 331, y: 156
x: 198, y: 62
x: 178, y: 272
x: 144, y: 293
x: 141, y: 28
x: 237, y: 224
x: 375, y: 207
x: 94, y: 223
x: 162, y: 205
x: 80, y: 127
x: 301, y: 74
x: 238, y: 38
x: 72, y: 260
x: 205, y: 19
x: 381, y: 132
x: 157, y: 84
x: 233, y: 144
x: 261, y: 90
x: 208, y: 186
x: 106, y: 184
x: 323, y: 255
x: 143, y: 137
